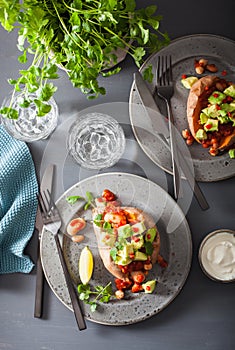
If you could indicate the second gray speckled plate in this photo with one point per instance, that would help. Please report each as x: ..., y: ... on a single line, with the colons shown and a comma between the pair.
x: 184, y: 51
x: 176, y: 248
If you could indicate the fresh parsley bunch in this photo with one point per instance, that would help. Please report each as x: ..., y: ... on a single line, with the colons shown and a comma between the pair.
x: 82, y: 36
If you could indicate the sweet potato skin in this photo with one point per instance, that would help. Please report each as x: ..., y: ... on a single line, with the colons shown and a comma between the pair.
x: 104, y: 250
x: 197, y: 100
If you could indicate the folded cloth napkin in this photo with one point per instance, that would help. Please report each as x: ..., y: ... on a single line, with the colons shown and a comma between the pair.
x: 18, y: 203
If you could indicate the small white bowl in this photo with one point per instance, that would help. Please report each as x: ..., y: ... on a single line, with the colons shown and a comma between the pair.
x: 217, y: 255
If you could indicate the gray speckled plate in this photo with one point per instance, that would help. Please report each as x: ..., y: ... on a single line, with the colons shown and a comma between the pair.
x: 176, y: 248
x: 184, y: 51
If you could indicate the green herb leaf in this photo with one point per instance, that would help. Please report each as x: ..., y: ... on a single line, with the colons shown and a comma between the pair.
x: 148, y: 248
x: 73, y: 199
x: 113, y: 253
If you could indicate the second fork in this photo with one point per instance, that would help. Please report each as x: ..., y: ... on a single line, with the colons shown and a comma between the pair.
x: 165, y: 90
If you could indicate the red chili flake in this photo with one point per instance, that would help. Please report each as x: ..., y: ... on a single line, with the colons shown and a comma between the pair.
x: 135, y: 229
x: 216, y: 95
x: 208, y: 126
x: 132, y: 255
x: 148, y: 288
x: 136, y: 239
x: 218, y: 107
x: 148, y: 236
x: 206, y: 88
x: 224, y: 72
x: 183, y: 76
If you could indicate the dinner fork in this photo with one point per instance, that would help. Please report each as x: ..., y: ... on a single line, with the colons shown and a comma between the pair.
x: 52, y: 222
x: 165, y: 90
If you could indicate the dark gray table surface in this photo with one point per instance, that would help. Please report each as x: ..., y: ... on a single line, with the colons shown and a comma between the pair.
x: 202, y: 315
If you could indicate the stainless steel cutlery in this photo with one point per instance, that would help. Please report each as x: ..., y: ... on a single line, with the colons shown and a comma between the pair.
x: 46, y: 184
x: 162, y: 131
x: 52, y: 222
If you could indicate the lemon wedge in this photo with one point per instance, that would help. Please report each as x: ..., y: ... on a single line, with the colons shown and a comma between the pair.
x: 86, y: 265
x: 189, y: 81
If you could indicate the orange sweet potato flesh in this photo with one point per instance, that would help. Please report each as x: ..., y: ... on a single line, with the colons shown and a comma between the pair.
x: 104, y: 250
x: 197, y: 100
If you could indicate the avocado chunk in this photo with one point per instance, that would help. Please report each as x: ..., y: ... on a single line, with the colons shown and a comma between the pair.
x: 231, y: 153
x: 126, y: 251
x: 203, y: 118
x: 122, y: 261
x: 138, y: 228
x: 211, y: 111
x: 228, y: 107
x: 108, y: 239
x: 216, y: 97
x: 149, y: 286
x: 150, y: 234
x: 140, y: 256
x: 211, y: 125
x: 224, y: 119
x: 137, y: 242
x: 230, y: 91
x: 201, y: 134
x: 125, y: 231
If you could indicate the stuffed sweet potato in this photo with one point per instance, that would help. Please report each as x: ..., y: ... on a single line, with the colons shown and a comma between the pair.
x: 128, y: 242
x: 211, y: 113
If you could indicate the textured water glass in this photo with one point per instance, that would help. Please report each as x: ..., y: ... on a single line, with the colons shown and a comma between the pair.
x: 29, y: 127
x: 96, y: 141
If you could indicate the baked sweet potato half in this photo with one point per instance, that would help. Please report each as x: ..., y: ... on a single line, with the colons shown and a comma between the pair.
x: 211, y: 113
x: 128, y: 242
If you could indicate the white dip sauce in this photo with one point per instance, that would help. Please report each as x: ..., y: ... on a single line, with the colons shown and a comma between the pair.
x: 218, y: 256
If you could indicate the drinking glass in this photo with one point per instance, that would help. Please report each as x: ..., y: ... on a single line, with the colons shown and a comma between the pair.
x: 29, y: 127
x: 96, y: 141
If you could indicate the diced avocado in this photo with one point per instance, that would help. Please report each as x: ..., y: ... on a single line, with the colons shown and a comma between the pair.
x: 201, y: 134
x: 122, y: 261
x: 230, y: 91
x: 126, y: 251
x: 125, y: 231
x: 140, y: 256
x: 150, y: 234
x: 137, y: 242
x: 203, y: 118
x: 231, y: 153
x: 216, y: 97
x: 224, y: 119
x: 211, y: 125
x: 108, y: 239
x: 228, y: 107
x: 211, y: 111
x: 188, y: 82
x: 138, y: 228
x: 232, y: 106
x: 149, y: 286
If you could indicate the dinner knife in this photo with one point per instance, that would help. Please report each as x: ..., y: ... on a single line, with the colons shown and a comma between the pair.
x: 150, y: 106
x: 46, y: 184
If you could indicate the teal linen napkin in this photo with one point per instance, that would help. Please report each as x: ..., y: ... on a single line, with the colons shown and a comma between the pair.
x: 18, y: 203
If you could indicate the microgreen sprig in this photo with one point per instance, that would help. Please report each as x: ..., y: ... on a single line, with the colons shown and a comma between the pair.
x: 89, y: 200
x: 92, y: 297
